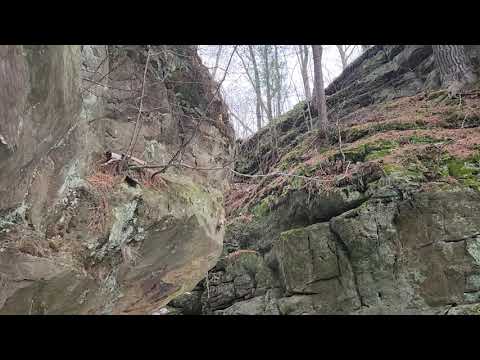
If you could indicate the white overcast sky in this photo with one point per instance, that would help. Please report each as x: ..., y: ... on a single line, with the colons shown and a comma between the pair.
x: 238, y: 92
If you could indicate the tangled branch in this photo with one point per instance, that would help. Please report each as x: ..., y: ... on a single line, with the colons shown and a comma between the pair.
x: 174, y: 157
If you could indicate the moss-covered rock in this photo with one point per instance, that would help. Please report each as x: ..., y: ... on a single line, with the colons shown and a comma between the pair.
x: 160, y: 244
x: 307, y: 258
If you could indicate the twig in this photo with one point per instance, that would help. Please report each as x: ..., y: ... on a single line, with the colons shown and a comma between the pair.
x: 242, y: 123
x: 346, y: 169
x: 240, y: 174
x: 340, y: 141
x: 463, y: 122
x: 137, y: 123
x: 96, y: 70
x: 106, y: 85
x: 103, y: 77
x: 176, y: 165
x: 198, y: 123
x: 284, y: 174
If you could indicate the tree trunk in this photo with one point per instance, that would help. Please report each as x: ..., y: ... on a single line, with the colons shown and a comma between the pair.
x: 319, y: 90
x: 343, y: 56
x: 278, y: 82
x: 304, y: 70
x: 267, y: 83
x: 259, y: 114
x: 244, y: 126
x: 258, y: 91
x: 456, y: 70
x: 217, y: 59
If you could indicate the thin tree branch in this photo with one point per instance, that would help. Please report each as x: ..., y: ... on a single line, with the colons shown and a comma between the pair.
x: 199, y: 122
x: 134, y: 138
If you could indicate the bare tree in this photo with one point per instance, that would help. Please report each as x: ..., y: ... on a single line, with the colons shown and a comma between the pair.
x: 290, y: 79
x: 278, y: 81
x: 217, y: 59
x: 345, y: 52
x: 303, y: 56
x: 268, y: 84
x: 456, y: 69
x: 255, y: 82
x: 319, y: 89
x: 242, y: 123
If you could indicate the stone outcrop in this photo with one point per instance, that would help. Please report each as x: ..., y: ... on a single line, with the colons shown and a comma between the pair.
x: 386, y: 72
x: 77, y: 238
x: 400, y: 252
x: 390, y: 224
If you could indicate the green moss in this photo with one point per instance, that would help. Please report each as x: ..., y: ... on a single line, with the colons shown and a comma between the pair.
x: 355, y: 133
x: 467, y: 171
x: 378, y: 154
x: 294, y: 233
x: 248, y: 261
x: 414, y: 172
x: 472, y: 182
x: 459, y: 168
x: 392, y: 169
x: 415, y: 139
x: 366, y: 152
x: 264, y: 206
x: 291, y: 158
x: 297, y: 111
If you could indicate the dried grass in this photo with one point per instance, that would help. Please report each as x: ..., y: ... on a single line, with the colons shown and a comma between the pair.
x: 104, y: 181
x: 236, y: 254
x: 99, y: 215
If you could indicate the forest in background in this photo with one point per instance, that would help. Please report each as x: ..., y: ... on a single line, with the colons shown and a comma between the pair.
x: 264, y: 81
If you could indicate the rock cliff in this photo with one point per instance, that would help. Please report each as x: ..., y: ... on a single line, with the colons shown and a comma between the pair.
x: 380, y: 218
x: 77, y: 237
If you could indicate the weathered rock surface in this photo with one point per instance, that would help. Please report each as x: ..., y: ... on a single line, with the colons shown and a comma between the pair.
x: 410, y: 253
x: 75, y: 239
x: 386, y: 72
x: 399, y: 236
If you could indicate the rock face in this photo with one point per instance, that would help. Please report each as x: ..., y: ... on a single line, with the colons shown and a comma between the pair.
x: 390, y: 227
x: 386, y: 72
x: 77, y: 238
x: 400, y: 252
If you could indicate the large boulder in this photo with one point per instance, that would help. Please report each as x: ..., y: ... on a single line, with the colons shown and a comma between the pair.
x: 76, y: 237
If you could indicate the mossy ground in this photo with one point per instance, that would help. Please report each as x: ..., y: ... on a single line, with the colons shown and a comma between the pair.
x: 423, y: 138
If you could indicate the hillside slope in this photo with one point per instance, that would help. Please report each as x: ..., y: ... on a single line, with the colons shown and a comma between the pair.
x: 383, y: 217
